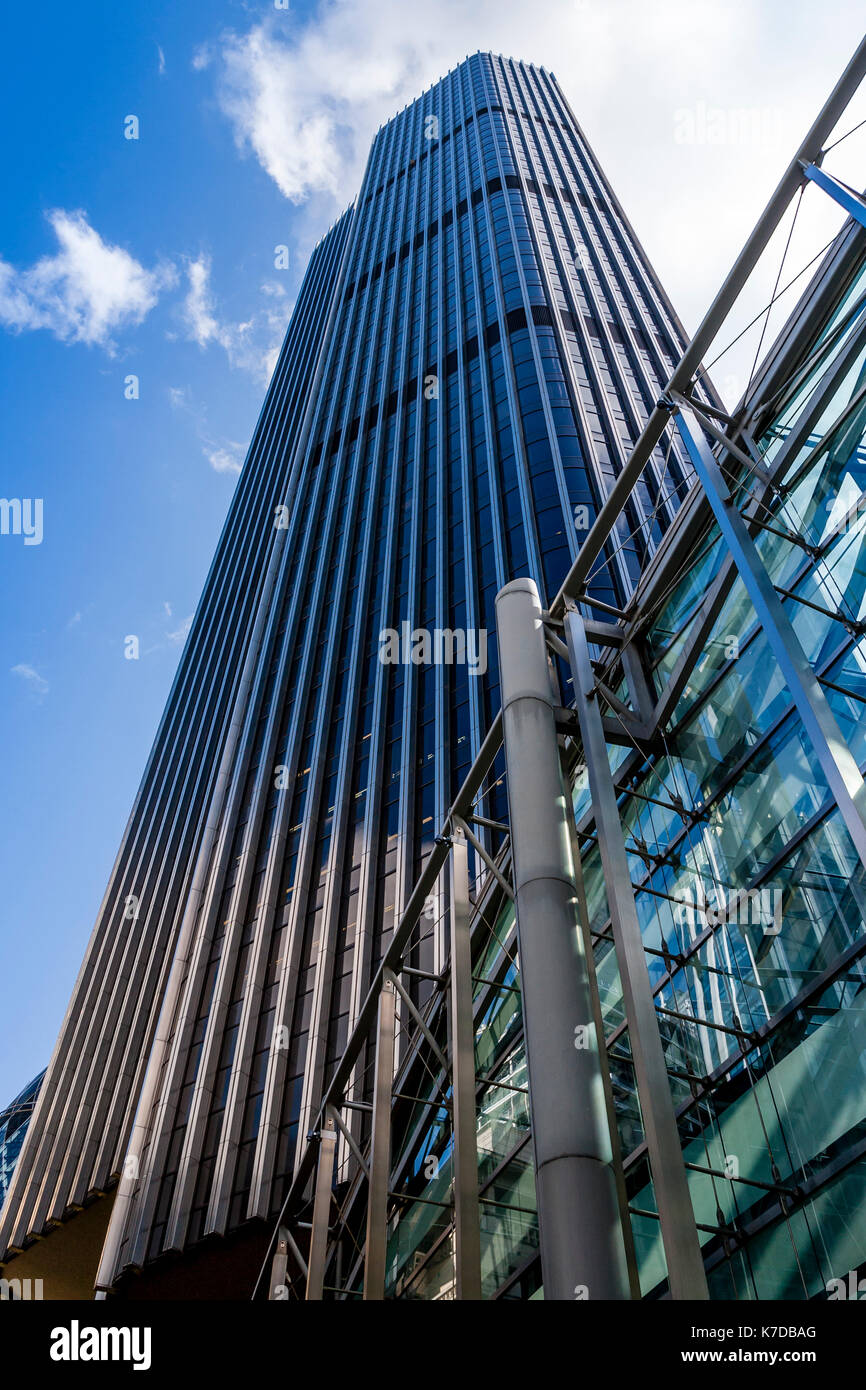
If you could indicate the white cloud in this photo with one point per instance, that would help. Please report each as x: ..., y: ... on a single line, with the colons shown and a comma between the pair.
x: 179, y: 637
x: 287, y: 112
x: 161, y: 60
x: 252, y: 345
x: 85, y: 292
x: 224, y: 456
x: 201, y: 325
x: 37, y: 684
x: 226, y: 459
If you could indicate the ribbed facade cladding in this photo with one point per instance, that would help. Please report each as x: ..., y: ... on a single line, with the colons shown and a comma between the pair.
x: 476, y: 344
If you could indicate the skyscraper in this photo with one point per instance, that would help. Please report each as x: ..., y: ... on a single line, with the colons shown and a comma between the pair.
x: 14, y: 1120
x: 476, y: 345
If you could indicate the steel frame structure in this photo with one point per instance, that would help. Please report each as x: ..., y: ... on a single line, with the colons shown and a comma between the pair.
x: 585, y: 1240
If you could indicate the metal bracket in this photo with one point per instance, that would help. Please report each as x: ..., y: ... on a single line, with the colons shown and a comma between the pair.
x: 483, y: 855
x: 840, y: 192
x: 434, y: 1046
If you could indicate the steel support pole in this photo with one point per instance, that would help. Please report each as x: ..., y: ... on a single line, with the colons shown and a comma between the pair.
x: 467, y: 1231
x: 622, y: 1194
x: 582, y: 1249
x: 278, y: 1267
x: 380, y: 1146
x: 837, y: 761
x: 676, y: 1217
x: 321, y: 1212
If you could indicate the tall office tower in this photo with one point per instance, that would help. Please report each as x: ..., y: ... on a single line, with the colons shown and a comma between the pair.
x: 477, y: 343
x: 14, y: 1120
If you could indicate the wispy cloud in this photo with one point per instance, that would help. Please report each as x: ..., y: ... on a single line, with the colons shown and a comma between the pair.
x: 223, y: 455
x: 35, y: 683
x: 198, y: 305
x: 161, y: 57
x: 179, y: 637
x: 287, y: 113
x: 225, y: 460
x: 84, y: 293
x: 91, y: 290
x: 252, y: 345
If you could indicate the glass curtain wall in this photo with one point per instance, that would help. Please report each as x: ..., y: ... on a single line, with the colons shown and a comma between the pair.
x: 751, y: 897
x: 752, y: 905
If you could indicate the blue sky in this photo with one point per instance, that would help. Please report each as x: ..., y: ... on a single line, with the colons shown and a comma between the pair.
x: 155, y: 257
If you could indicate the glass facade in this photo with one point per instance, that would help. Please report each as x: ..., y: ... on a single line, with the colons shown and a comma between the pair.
x: 477, y: 343
x: 421, y: 1244
x: 13, y: 1127
x: 752, y: 903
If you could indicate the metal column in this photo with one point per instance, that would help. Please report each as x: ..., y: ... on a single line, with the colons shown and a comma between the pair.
x: 676, y: 1217
x: 380, y: 1146
x: 321, y: 1212
x: 278, y: 1267
x: 582, y: 1249
x: 837, y: 761
x: 467, y: 1234
x: 610, y: 1105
